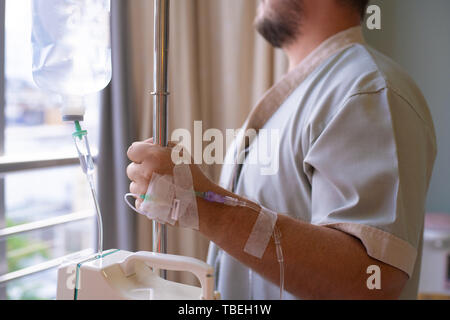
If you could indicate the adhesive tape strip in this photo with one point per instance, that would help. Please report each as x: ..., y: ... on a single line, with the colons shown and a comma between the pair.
x: 160, y: 198
x: 172, y: 198
x: 184, y: 191
x: 261, y: 233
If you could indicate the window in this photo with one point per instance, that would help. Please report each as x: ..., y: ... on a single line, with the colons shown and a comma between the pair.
x: 46, y: 210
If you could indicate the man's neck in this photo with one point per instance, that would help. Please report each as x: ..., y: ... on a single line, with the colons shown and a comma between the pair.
x: 310, y: 38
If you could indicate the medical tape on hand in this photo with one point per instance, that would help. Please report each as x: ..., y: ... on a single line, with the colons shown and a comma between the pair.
x: 261, y: 233
x: 158, y: 201
x: 171, y: 199
x: 184, y: 192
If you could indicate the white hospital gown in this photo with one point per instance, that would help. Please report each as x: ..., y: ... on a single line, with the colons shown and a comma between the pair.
x: 356, y: 152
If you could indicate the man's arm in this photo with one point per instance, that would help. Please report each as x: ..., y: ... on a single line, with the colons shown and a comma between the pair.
x: 320, y: 262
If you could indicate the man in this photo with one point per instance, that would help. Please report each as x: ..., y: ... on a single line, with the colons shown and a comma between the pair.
x: 356, y: 152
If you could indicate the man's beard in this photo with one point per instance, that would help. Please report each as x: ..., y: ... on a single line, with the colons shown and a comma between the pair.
x: 281, y: 26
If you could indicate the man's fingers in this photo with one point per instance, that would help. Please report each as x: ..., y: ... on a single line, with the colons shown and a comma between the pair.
x: 136, y: 173
x: 133, y: 171
x: 138, y: 188
x: 139, y: 151
x: 138, y: 203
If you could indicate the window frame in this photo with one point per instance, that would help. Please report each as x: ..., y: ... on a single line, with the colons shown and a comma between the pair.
x: 10, y: 165
x: 3, y: 261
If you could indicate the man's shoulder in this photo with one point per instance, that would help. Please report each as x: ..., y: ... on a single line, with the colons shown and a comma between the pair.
x: 360, y: 70
x: 386, y: 72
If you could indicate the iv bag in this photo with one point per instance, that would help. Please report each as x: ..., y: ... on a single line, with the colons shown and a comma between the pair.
x: 71, y: 45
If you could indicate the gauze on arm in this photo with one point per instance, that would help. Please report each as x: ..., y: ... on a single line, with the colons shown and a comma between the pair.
x: 170, y: 199
x: 261, y: 233
x: 158, y: 201
x: 184, y: 192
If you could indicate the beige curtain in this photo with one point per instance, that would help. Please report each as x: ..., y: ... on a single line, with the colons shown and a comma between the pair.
x: 219, y: 68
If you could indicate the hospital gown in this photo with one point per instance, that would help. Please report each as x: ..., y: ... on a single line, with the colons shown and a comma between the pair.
x: 355, y: 153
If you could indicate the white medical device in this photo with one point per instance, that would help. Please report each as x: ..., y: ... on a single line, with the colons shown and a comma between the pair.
x: 123, y: 275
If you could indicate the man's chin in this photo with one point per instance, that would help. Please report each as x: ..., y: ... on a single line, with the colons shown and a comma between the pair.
x: 275, y: 33
x: 279, y: 27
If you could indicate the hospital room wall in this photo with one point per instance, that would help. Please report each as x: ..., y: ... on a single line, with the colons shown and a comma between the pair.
x: 416, y: 34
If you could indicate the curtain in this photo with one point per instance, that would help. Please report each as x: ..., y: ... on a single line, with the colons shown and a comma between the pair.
x: 219, y: 68
x: 118, y: 130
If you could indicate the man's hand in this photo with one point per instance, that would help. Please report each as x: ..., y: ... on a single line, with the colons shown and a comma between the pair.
x: 148, y: 158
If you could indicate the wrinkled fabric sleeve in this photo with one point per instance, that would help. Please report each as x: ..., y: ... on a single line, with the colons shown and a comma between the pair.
x: 369, y: 169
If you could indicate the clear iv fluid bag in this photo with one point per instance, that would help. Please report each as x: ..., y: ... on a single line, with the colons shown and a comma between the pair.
x: 71, y: 45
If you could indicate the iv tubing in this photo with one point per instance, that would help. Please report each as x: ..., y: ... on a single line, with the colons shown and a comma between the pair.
x: 79, y: 133
x: 276, y: 236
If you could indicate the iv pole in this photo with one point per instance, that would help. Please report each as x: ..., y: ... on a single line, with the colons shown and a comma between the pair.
x: 160, y: 98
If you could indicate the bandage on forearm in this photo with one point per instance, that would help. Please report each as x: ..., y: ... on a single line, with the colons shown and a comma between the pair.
x: 265, y: 228
x: 262, y: 231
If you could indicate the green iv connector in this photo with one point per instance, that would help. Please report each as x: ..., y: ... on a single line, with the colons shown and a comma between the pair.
x: 79, y: 133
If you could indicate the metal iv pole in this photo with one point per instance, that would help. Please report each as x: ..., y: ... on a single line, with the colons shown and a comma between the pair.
x: 160, y: 98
